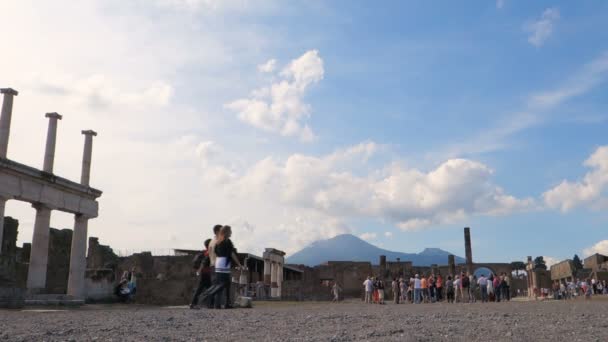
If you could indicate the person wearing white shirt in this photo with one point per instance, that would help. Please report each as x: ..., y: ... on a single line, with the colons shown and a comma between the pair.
x: 369, y: 288
x: 417, y: 289
x: 483, y: 285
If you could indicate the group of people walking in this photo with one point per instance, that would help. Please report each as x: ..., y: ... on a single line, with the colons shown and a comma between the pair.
x: 463, y: 288
x: 213, y: 266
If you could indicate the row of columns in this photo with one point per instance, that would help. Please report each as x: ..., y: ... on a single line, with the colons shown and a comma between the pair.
x: 36, y: 279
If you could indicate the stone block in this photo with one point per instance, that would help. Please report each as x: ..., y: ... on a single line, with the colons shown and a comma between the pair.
x: 30, y: 191
x: 52, y: 197
x: 9, y: 185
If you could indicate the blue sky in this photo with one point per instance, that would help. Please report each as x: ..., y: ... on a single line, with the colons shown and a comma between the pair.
x: 402, y: 122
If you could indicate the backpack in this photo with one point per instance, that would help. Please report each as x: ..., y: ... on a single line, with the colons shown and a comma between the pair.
x: 465, y: 281
x: 197, y: 261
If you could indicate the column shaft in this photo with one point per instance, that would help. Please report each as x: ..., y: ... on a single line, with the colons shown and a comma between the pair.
x: 273, y: 280
x: 267, y: 272
x: 36, y: 275
x: 78, y: 258
x: 51, y: 138
x: 5, y: 119
x: 85, y: 176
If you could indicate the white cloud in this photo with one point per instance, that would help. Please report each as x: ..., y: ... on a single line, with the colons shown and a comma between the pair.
x: 601, y: 247
x: 568, y: 195
x: 541, y: 29
x: 280, y: 107
x: 329, y: 187
x: 500, y: 4
x: 388, y: 234
x: 368, y: 236
x: 268, y: 67
x: 550, y: 261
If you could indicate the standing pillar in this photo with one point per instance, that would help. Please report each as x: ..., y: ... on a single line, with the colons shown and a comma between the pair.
x: 86, y: 157
x: 78, y: 257
x: 273, y: 280
x: 51, y: 138
x: 279, y: 279
x: 5, y: 118
x: 468, y: 250
x: 267, y: 272
x: 36, y: 274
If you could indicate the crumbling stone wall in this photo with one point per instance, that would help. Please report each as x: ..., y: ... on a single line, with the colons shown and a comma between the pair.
x: 8, y: 256
x: 100, y: 256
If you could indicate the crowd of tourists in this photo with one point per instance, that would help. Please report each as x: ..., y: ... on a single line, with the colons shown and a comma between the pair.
x: 462, y: 288
x: 579, y: 288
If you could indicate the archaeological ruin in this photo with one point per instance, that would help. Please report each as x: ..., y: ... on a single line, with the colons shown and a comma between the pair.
x: 46, y: 192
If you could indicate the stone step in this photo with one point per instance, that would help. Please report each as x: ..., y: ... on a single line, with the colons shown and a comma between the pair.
x: 52, y: 300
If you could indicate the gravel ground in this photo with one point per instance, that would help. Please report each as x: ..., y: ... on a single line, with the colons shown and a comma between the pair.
x: 347, y: 321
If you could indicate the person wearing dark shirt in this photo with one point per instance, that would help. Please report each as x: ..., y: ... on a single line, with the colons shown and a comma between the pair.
x: 225, y: 254
x: 204, y: 273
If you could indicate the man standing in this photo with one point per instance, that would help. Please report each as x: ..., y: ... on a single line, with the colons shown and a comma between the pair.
x: 464, y: 286
x: 483, y: 286
x: 212, y: 257
x: 395, y: 288
x: 417, y: 289
x: 369, y: 288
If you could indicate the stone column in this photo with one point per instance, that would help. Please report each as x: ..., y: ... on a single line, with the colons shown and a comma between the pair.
x: 51, y: 137
x: 86, y: 157
x: 273, y: 280
x: 2, y: 206
x: 78, y: 257
x: 5, y: 119
x: 279, y: 279
x: 267, y: 272
x: 468, y: 250
x: 36, y: 275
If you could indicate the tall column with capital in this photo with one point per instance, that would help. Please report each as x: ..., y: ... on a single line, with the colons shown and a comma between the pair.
x: 36, y: 274
x: 86, y: 157
x: 78, y: 254
x: 78, y: 257
x: 5, y: 130
x: 51, y: 138
x: 5, y: 118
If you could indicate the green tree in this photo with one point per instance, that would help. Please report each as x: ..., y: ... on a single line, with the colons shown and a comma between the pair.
x: 578, y: 265
x: 539, y: 263
x: 518, y: 267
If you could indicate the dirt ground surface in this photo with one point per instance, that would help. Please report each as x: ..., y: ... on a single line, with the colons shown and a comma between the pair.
x: 577, y: 320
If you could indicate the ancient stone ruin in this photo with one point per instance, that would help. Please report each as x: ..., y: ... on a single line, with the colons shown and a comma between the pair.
x: 47, y: 192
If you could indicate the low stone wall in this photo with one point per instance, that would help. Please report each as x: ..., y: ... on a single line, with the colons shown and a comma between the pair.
x: 12, y: 297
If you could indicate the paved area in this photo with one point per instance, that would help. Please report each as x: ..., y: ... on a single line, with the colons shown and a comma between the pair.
x: 348, y: 321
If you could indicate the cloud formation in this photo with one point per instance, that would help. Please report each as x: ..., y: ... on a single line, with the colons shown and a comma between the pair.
x: 280, y: 107
x: 540, y: 30
x: 601, y: 247
x: 568, y: 195
x: 334, y: 187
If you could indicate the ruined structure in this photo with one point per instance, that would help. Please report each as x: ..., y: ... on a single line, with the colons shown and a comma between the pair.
x: 468, y: 250
x: 47, y: 192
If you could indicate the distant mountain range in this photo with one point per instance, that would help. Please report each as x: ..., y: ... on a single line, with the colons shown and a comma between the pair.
x: 347, y: 247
